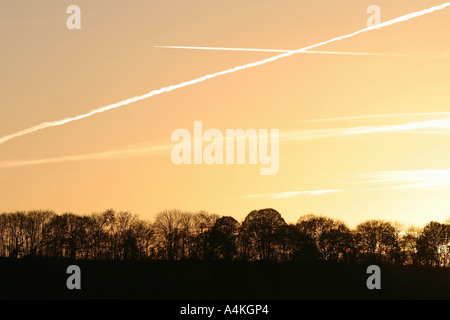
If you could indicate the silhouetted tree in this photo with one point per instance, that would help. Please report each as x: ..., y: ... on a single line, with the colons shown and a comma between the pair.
x: 377, y: 239
x: 295, y: 245
x: 167, y: 226
x: 34, y: 228
x: 433, y: 244
x: 177, y: 235
x: 258, y: 232
x: 203, y: 224
x: 222, y: 239
x: 332, y: 237
x: 145, y: 239
x: 409, y: 245
x: 99, y: 232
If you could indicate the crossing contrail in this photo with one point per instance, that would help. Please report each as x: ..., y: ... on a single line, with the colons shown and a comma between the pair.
x: 170, y: 88
x: 309, y: 51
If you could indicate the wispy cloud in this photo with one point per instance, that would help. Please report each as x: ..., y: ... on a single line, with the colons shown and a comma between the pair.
x: 435, y: 126
x: 290, y: 194
x: 381, y: 116
x: 152, y: 93
x: 409, y: 179
x: 129, y: 152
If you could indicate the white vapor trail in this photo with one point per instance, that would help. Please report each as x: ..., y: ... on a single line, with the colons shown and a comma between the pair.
x: 309, y: 51
x: 216, y: 74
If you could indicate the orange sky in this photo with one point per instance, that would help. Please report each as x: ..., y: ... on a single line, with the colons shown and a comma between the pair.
x: 112, y: 160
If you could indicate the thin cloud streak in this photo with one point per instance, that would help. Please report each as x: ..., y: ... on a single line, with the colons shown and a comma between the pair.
x: 290, y: 194
x: 216, y: 74
x: 382, y: 116
x: 309, y: 51
x: 409, y: 179
x: 436, y: 126
x: 130, y: 152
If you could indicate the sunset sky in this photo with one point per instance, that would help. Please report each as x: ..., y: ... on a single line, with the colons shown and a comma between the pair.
x: 361, y: 136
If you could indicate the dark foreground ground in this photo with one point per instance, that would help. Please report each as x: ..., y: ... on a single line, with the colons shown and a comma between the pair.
x: 46, y: 279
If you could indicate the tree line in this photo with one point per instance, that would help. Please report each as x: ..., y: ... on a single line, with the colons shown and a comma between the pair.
x: 262, y: 235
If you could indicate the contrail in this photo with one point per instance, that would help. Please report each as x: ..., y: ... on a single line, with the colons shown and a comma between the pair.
x: 216, y: 74
x: 309, y: 51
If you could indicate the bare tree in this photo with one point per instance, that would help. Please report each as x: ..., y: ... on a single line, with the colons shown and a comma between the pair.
x: 222, y: 239
x: 332, y: 237
x: 167, y: 225
x: 258, y: 231
x: 378, y: 239
x: 176, y: 235
x: 409, y: 245
x: 433, y: 244
x: 295, y: 245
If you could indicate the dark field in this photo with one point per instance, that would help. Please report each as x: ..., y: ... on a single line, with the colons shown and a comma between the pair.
x: 158, y: 280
